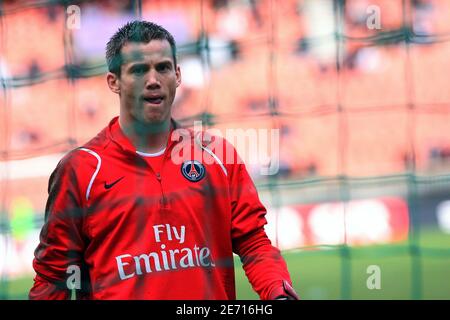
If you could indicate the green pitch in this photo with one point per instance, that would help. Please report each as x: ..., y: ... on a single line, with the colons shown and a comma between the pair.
x: 336, y: 273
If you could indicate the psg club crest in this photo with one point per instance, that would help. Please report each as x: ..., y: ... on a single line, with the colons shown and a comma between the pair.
x: 193, y: 170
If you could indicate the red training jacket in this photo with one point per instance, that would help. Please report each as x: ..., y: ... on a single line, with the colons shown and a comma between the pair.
x: 120, y: 231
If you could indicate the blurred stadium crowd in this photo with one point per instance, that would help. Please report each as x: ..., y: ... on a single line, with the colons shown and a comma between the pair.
x: 264, y: 61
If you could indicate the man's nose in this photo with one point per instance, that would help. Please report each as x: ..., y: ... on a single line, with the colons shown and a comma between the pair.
x: 152, y: 80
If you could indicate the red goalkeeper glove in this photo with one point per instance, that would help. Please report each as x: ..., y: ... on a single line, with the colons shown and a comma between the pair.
x: 286, y: 292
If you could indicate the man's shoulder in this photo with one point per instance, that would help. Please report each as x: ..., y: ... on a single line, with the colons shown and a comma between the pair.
x: 77, y: 159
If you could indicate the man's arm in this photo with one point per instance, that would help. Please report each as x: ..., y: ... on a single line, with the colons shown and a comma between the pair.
x: 61, y: 241
x: 263, y: 264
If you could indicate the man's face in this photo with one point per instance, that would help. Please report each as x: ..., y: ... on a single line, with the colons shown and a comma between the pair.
x: 148, y: 82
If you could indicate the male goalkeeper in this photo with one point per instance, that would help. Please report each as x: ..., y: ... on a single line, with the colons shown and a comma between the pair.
x: 137, y: 214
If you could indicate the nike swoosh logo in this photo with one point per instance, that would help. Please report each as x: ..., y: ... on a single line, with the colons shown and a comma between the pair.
x: 109, y: 186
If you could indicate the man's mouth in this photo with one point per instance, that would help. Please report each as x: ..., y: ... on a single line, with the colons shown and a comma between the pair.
x: 156, y: 100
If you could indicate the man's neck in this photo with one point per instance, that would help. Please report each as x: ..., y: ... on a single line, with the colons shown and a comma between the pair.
x: 146, y: 138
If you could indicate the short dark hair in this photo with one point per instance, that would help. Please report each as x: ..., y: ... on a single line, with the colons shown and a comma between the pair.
x: 135, y: 31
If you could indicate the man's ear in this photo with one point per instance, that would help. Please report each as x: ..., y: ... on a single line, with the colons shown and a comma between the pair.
x: 178, y: 73
x: 113, y: 82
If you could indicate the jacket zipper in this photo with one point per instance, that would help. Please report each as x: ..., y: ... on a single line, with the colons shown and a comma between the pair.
x: 164, y: 203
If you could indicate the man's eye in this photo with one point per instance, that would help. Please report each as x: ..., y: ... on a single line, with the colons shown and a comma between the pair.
x: 138, y: 71
x: 163, y: 68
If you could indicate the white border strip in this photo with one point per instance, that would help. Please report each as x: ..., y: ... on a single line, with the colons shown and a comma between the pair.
x: 217, y: 159
x: 99, y: 164
x: 197, y: 140
x: 151, y: 155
